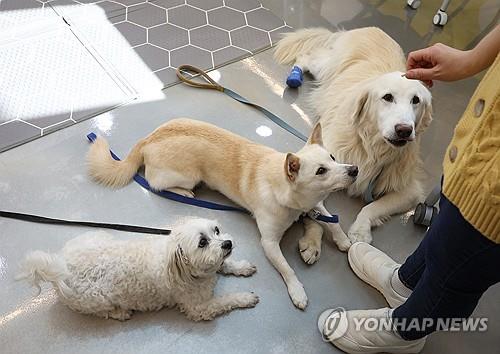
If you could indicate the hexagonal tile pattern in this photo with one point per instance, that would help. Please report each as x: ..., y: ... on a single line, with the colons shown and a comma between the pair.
x: 154, y: 57
x: 163, y: 33
x: 243, y: 5
x: 191, y: 55
x: 209, y: 37
x: 128, y: 2
x: 168, y: 36
x: 187, y: 17
x: 114, y: 12
x: 134, y: 34
x: 250, y: 38
x: 229, y: 54
x: 146, y: 15
x: 206, y: 4
x: 226, y: 18
x: 264, y: 19
x: 167, y: 4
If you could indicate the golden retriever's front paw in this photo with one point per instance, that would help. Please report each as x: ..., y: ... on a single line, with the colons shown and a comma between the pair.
x: 309, y: 249
x: 360, y: 232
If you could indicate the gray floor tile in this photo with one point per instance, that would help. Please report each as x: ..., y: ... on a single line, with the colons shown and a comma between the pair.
x: 277, y: 34
x: 210, y: 38
x: 14, y: 132
x: 191, y: 55
x: 249, y: 38
x: 228, y: 54
x: 146, y: 15
x: 264, y: 19
x: 226, y: 18
x: 167, y: 76
x: 187, y: 17
x: 205, y: 4
x: 168, y: 36
x: 243, y: 5
x: 154, y: 57
x: 129, y: 2
x: 168, y: 3
x: 133, y: 33
x: 114, y: 12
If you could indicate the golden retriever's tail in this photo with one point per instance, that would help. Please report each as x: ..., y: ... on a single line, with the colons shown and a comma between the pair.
x: 109, y: 172
x: 300, y: 42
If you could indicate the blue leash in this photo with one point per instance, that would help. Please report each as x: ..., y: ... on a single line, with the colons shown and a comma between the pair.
x: 314, y: 214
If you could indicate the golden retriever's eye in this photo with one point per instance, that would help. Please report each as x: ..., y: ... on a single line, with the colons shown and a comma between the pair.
x: 321, y: 171
x: 388, y: 97
x: 415, y: 100
x: 333, y: 158
x: 217, y: 231
x: 203, y: 242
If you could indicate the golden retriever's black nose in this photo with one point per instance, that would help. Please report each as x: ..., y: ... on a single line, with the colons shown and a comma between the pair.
x: 227, y: 245
x: 352, y: 171
x: 403, y: 130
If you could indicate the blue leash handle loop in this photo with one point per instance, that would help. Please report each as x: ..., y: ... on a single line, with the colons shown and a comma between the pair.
x: 314, y: 214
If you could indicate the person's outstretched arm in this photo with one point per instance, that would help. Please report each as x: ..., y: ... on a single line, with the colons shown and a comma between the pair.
x: 440, y: 62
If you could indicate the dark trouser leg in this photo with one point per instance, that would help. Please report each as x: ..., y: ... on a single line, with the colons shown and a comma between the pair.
x: 459, y: 265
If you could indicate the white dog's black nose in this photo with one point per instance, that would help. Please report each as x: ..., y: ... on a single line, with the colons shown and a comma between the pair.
x: 227, y: 245
x: 352, y: 171
x: 403, y: 130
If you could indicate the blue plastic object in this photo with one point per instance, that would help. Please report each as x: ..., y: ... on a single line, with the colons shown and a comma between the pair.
x: 295, y: 78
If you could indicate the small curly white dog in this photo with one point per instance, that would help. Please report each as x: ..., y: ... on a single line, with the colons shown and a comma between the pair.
x: 96, y: 274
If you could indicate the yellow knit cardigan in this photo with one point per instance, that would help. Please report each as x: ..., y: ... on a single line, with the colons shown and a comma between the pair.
x: 472, y: 161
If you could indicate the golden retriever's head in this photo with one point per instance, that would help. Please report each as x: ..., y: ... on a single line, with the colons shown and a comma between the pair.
x: 399, y: 108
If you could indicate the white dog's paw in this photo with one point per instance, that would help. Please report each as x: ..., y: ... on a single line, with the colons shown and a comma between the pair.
x: 244, y: 268
x: 120, y: 315
x: 247, y: 300
x: 297, y: 294
x: 360, y: 232
x: 309, y: 249
x: 182, y: 191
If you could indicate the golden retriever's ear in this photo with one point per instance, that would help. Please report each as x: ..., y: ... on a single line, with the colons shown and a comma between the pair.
x: 359, y: 105
x: 425, y: 118
x: 292, y: 166
x: 316, y: 136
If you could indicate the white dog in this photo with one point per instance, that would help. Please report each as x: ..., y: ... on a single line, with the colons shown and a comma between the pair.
x: 96, y: 274
x: 276, y: 187
x: 371, y: 115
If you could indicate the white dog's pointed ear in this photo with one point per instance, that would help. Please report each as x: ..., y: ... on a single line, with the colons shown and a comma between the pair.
x: 316, y: 136
x: 292, y: 166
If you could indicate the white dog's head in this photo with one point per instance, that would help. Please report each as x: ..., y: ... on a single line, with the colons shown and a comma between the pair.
x: 201, y: 247
x: 400, y: 108
x: 313, y: 173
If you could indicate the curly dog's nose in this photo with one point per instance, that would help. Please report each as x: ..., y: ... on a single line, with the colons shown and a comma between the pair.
x: 227, y: 245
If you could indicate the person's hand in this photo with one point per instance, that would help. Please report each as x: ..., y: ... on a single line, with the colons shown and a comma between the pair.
x: 439, y: 62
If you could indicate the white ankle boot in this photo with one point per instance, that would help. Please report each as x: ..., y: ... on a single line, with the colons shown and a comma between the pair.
x: 365, y: 331
x: 376, y: 269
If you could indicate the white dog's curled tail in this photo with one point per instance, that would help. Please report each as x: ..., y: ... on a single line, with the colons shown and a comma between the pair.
x: 109, y: 172
x: 301, y: 42
x: 40, y: 266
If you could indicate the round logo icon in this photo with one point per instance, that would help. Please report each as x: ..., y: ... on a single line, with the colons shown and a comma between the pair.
x: 332, y: 323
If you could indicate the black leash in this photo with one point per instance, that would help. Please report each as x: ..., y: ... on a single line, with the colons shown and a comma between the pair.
x: 119, y: 227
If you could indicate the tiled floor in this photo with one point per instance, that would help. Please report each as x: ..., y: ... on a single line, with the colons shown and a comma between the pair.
x: 76, y: 59
x: 48, y: 176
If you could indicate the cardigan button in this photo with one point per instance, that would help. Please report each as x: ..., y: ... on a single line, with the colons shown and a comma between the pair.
x: 479, y: 107
x: 453, y: 153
